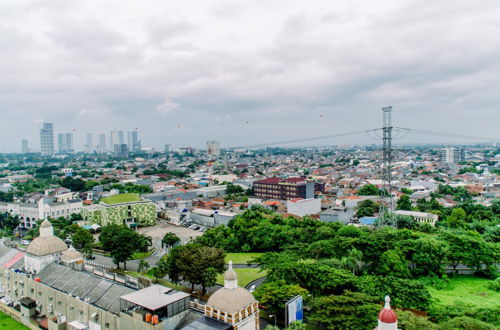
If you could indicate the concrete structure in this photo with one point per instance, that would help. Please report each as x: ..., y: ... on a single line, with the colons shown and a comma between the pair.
x: 43, y: 250
x: 233, y: 305
x: 452, y: 155
x: 278, y: 188
x: 43, y: 207
x: 65, y: 298
x: 303, y: 207
x: 89, y: 145
x: 421, y: 217
x: 47, y: 139
x: 101, y: 147
x: 142, y: 213
x: 134, y: 144
x: 211, y: 218
x: 212, y: 191
x: 116, y: 137
x: 120, y: 150
x: 337, y: 214
x: 24, y: 146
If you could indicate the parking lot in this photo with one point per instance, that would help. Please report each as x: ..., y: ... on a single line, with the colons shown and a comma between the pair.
x: 158, y: 231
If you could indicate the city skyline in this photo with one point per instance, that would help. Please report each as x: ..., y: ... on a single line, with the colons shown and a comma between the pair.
x: 184, y: 73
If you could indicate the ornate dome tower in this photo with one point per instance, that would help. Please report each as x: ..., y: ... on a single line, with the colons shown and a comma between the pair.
x: 233, y: 305
x: 387, y: 318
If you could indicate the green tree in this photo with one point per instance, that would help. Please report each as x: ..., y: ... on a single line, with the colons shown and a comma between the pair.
x: 352, y: 310
x: 393, y: 263
x: 8, y: 221
x: 353, y: 261
x: 409, y: 321
x: 466, y: 323
x: 169, y: 240
x: 195, y: 264
x: 143, y: 266
x: 121, y: 242
x: 81, y: 238
x: 369, y: 190
x: 274, y: 295
x: 160, y: 270
x: 404, y: 203
x: 457, y: 218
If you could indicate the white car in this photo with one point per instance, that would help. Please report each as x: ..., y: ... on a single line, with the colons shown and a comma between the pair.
x: 25, y: 242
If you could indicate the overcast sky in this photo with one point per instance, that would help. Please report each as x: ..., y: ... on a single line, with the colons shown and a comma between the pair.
x: 246, y: 72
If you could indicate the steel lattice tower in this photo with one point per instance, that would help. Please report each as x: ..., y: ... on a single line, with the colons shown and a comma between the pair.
x: 386, y: 210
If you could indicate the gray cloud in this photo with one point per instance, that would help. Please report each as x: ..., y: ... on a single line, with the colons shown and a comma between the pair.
x: 290, y: 70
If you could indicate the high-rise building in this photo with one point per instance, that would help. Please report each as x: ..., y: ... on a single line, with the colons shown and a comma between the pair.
x: 101, y: 148
x: 452, y: 155
x: 24, y: 146
x: 65, y: 142
x: 116, y: 137
x: 47, y: 139
x: 121, y: 150
x: 213, y: 148
x: 134, y: 144
x: 167, y: 148
x: 89, y: 145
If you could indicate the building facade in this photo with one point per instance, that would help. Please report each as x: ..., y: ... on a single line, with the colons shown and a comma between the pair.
x: 452, y: 155
x: 284, y: 189
x: 134, y: 144
x: 142, y: 213
x: 47, y: 139
x: 24, y: 146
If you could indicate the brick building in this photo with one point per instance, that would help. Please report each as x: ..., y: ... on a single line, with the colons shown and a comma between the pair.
x: 278, y: 188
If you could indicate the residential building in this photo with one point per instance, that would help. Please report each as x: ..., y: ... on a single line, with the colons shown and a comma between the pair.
x: 452, y: 155
x: 167, y: 148
x: 278, y: 188
x: 24, y: 146
x: 134, y: 144
x: 47, y: 139
x: 302, y: 207
x: 213, y: 148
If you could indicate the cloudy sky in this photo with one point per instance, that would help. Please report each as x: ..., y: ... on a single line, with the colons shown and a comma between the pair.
x: 246, y: 72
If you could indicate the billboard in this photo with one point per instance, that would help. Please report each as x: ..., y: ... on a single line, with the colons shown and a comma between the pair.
x: 294, y: 310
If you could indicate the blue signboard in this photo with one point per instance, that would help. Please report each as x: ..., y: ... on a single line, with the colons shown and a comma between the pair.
x: 294, y: 310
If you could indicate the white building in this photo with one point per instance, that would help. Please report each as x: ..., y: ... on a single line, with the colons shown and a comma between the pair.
x: 213, y: 148
x: 452, y: 155
x: 303, y: 207
x: 47, y: 139
x: 421, y: 217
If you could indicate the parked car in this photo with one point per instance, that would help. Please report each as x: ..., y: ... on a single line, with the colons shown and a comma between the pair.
x: 25, y: 242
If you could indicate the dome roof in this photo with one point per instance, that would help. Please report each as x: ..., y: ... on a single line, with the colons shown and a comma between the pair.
x: 231, y: 300
x: 42, y: 246
x: 71, y: 254
x: 387, y: 315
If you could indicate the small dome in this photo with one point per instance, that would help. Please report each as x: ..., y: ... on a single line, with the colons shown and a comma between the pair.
x: 230, y: 274
x: 387, y: 315
x: 231, y: 300
x: 42, y: 246
x: 71, y: 255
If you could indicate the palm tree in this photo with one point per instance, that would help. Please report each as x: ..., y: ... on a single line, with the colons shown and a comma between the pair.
x: 143, y: 266
x: 353, y: 261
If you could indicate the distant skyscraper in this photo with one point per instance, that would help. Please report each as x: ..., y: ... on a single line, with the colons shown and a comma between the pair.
x: 24, y: 146
x: 167, y: 148
x: 116, y: 138
x: 61, y: 143
x: 69, y: 142
x: 89, y: 145
x: 134, y: 144
x: 121, y: 150
x: 213, y: 148
x: 47, y: 139
x: 102, y: 143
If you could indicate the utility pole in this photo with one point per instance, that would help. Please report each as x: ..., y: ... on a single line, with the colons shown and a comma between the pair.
x: 386, y: 211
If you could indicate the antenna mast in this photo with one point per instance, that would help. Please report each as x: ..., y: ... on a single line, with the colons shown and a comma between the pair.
x: 385, y: 213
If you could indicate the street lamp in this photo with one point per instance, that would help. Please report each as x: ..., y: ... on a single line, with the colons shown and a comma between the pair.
x: 275, y: 319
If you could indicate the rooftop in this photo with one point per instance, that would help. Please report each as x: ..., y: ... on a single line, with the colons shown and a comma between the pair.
x: 121, y: 198
x: 154, y: 297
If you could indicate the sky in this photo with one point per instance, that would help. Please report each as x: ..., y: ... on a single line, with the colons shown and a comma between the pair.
x: 247, y: 72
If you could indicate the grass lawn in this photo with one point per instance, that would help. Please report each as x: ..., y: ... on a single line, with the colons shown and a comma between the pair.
x: 8, y: 323
x: 141, y: 255
x: 467, y: 289
x: 241, y: 258
x: 121, y: 198
x: 245, y: 276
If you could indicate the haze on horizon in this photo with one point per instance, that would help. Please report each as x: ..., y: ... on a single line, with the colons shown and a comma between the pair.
x: 182, y: 72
